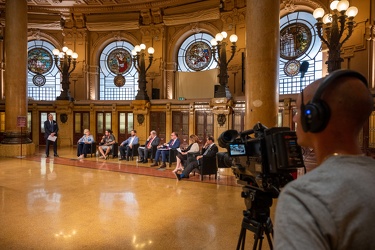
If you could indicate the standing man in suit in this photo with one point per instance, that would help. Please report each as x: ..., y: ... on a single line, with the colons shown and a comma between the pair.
x: 127, y: 145
x: 163, y: 150
x: 50, y: 129
x: 144, y: 152
x: 208, y: 150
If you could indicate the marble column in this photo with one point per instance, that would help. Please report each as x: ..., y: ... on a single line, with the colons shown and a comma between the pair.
x: 15, y: 70
x: 262, y: 62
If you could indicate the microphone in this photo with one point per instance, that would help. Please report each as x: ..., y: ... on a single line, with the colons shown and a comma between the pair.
x: 303, y: 68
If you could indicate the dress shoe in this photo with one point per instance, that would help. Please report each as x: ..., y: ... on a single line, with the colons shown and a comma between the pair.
x: 154, y: 164
x: 127, y: 158
x: 163, y: 166
x: 121, y: 159
x: 56, y: 155
x: 140, y: 161
x: 47, y: 156
x: 178, y: 176
x: 145, y: 161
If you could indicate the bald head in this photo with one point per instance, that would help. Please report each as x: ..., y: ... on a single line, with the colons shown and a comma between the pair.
x: 350, y: 103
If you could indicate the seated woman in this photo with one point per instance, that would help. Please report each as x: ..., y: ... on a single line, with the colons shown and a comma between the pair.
x: 181, y: 157
x: 84, y: 144
x: 106, y: 144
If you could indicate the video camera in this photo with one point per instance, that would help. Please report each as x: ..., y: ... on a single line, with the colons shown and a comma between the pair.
x: 263, y: 161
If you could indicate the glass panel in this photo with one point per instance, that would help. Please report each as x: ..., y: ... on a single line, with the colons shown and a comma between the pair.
x: 29, y: 121
x: 130, y: 121
x: 122, y: 120
x: 108, y: 121
x: 77, y: 124
x: 85, y: 120
x: 100, y: 123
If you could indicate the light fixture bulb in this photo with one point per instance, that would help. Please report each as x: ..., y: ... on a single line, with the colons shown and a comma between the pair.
x: 74, y: 55
x: 233, y: 38
x: 65, y: 49
x: 62, y: 54
x: 151, y: 50
x: 318, y: 13
x: 213, y: 42
x: 333, y: 5
x: 342, y: 5
x: 352, y: 11
x: 56, y: 52
x: 219, y: 37
x: 134, y: 53
x: 137, y: 48
x: 143, y: 46
x: 224, y: 34
x: 69, y: 52
x: 327, y: 18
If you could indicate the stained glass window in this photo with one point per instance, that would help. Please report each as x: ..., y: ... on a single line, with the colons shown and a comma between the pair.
x: 43, y: 77
x: 300, y: 52
x: 195, y: 53
x: 118, y: 76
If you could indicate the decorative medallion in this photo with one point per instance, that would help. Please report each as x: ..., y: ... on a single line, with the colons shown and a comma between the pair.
x: 291, y: 68
x: 63, y: 118
x: 140, y: 118
x: 39, y: 80
x: 39, y: 61
x: 295, y: 40
x: 119, y: 80
x: 221, y: 119
x: 119, y: 61
x: 198, y: 56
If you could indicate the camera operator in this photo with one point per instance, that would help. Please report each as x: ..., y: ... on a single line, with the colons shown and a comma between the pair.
x: 332, y: 206
x: 209, y: 150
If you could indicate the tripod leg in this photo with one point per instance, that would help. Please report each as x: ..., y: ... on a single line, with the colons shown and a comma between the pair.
x: 241, y: 239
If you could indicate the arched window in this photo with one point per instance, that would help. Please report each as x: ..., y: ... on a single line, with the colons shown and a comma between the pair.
x: 118, y: 76
x: 300, y: 52
x: 195, y: 53
x: 43, y: 77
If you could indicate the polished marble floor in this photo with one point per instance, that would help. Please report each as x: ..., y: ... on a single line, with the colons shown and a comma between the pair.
x: 66, y: 203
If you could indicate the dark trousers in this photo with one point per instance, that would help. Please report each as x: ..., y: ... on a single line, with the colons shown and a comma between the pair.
x: 143, y: 153
x: 125, y: 151
x: 84, y: 149
x: 190, y: 167
x: 48, y: 142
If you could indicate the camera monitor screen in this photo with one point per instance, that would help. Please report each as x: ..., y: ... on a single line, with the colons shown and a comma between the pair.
x: 237, y: 149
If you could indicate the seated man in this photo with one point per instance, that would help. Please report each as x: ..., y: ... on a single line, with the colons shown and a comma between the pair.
x: 163, y: 150
x: 146, y: 150
x: 209, y: 150
x: 84, y: 144
x: 127, y: 145
x: 106, y: 144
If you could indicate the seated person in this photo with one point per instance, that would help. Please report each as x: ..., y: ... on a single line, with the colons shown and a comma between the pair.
x: 106, y: 144
x: 127, y: 145
x: 146, y: 150
x: 181, y: 157
x: 209, y: 150
x: 84, y: 144
x: 163, y: 150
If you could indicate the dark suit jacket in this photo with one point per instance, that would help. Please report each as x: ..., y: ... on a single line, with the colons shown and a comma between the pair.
x: 211, y: 151
x: 155, y: 142
x: 48, y: 128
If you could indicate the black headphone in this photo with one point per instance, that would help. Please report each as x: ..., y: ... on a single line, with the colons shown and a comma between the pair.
x: 316, y: 113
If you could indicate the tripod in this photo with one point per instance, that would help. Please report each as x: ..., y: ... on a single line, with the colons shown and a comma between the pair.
x: 256, y: 217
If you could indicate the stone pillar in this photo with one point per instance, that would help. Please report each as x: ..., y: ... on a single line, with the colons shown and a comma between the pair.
x: 262, y: 60
x: 15, y: 39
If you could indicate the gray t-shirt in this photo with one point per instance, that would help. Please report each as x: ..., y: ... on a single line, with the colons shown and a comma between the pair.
x: 331, y: 207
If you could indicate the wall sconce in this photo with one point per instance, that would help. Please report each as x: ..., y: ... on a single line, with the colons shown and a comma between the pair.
x: 139, y: 63
x: 334, y: 25
x: 219, y: 45
x: 64, y: 60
